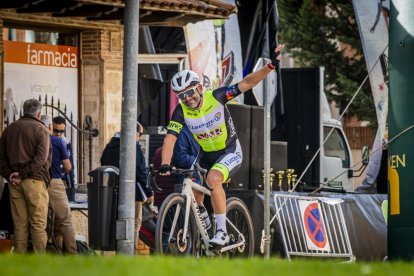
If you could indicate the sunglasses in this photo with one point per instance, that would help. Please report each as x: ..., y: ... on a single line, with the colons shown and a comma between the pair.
x: 58, y: 130
x: 188, y: 93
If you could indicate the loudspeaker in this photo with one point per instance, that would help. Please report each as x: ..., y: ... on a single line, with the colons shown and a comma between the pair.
x: 256, y: 147
x: 240, y: 115
x: 302, y: 88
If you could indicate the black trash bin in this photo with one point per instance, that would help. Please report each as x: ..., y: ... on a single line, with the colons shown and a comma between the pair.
x: 103, y: 208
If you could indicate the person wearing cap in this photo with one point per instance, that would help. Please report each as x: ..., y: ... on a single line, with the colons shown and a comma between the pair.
x: 58, y: 200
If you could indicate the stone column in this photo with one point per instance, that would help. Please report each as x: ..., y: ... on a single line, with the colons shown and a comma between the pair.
x: 101, y: 88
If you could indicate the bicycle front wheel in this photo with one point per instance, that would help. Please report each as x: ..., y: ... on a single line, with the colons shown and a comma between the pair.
x: 239, y: 216
x: 170, y: 238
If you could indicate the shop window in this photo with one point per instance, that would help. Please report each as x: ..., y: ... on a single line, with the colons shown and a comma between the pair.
x: 41, y: 37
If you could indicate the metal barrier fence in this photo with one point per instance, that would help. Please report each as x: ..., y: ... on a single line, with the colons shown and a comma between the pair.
x: 312, y: 227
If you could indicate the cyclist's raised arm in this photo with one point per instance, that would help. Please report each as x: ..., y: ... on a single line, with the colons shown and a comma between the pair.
x: 253, y: 79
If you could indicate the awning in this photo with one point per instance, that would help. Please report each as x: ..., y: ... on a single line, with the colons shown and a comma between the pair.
x: 152, y: 12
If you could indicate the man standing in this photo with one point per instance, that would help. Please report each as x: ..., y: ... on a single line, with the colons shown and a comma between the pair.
x: 25, y: 158
x: 58, y: 200
x: 59, y: 128
x: 110, y: 157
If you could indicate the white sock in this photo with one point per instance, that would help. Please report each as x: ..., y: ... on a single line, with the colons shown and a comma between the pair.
x: 221, y: 222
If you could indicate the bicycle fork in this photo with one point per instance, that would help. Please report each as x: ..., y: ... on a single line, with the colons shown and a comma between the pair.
x: 186, y: 218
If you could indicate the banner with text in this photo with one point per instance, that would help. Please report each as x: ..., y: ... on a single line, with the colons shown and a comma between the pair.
x: 32, y: 70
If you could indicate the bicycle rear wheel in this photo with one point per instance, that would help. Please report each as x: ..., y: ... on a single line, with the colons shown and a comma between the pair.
x: 168, y: 241
x: 239, y: 216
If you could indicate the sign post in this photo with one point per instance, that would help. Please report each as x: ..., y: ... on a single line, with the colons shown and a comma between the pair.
x: 126, y: 208
x: 267, y: 92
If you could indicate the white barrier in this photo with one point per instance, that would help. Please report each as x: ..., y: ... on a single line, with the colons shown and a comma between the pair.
x: 312, y: 226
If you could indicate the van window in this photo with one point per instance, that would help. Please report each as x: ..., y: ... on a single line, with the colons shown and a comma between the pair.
x: 335, y: 146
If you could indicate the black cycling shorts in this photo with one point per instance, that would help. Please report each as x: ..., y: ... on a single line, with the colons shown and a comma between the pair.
x: 226, y: 161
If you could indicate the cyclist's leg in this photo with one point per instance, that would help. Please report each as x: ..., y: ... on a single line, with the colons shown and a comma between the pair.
x: 215, y: 179
x: 227, y: 164
x: 199, y: 196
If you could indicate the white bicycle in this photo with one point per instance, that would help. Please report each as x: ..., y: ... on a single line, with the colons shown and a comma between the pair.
x: 180, y: 229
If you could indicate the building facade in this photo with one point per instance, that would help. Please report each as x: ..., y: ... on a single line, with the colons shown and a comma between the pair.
x: 72, y: 52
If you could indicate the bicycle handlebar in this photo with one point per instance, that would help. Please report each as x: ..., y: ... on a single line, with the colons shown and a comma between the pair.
x: 188, y: 173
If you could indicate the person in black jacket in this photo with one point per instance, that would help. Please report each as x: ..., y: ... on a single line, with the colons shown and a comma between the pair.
x: 143, y: 194
x: 185, y: 150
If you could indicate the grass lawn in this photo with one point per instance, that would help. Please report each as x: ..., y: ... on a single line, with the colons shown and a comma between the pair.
x: 31, y: 265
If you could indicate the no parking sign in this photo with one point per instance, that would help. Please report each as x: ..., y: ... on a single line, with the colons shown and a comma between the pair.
x: 314, y: 226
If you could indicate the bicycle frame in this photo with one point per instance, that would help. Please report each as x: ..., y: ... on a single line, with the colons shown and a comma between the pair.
x: 190, y: 202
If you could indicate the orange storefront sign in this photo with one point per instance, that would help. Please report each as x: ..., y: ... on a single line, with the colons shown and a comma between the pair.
x: 40, y: 54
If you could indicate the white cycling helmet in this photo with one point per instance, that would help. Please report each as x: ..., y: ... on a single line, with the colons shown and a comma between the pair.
x: 184, y: 79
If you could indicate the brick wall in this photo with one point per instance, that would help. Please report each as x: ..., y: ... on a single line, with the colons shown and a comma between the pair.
x: 142, y: 249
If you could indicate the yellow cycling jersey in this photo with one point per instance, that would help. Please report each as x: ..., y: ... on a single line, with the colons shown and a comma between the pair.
x: 211, y: 125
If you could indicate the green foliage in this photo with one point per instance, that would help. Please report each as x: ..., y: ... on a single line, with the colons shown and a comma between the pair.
x: 125, y: 266
x: 325, y: 33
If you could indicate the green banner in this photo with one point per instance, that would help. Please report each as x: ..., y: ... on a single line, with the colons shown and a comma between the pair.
x: 401, y: 118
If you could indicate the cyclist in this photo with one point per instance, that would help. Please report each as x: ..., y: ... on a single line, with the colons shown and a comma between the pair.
x: 207, y: 117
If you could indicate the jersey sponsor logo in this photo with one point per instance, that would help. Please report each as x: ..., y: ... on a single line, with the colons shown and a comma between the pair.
x: 174, y: 126
x: 216, y: 118
x: 239, y: 154
x: 236, y: 158
x: 231, y: 92
x: 231, y: 125
x: 210, y: 134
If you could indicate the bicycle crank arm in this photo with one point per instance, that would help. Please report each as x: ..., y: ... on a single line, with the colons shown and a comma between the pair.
x: 229, y: 247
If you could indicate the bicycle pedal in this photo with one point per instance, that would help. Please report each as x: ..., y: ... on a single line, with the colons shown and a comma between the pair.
x: 216, y: 247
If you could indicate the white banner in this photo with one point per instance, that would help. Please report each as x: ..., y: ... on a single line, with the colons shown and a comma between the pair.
x: 372, y: 18
x: 214, y: 50
x: 373, y: 24
x: 32, y: 70
x: 201, y: 44
x: 314, y: 225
